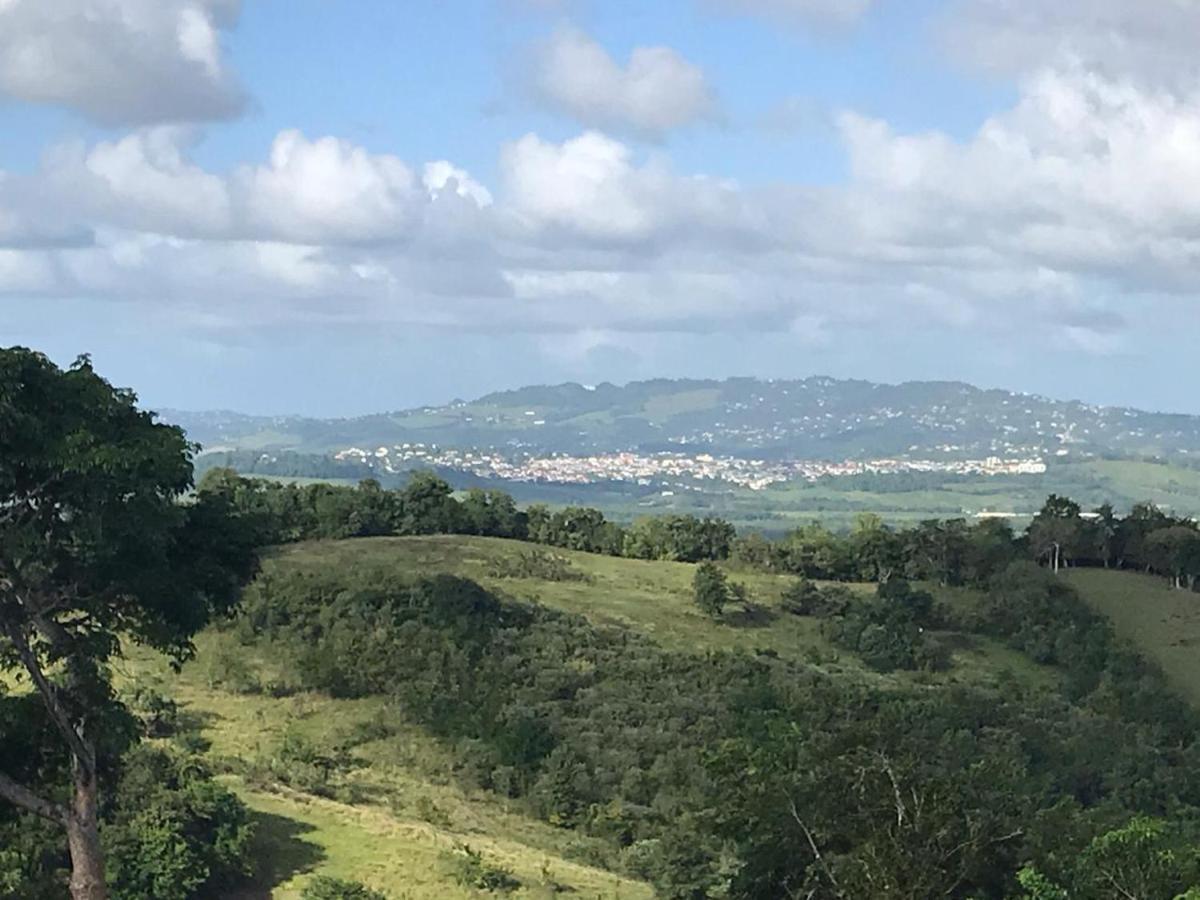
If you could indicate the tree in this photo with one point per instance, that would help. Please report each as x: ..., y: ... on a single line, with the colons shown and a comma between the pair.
x: 1175, y: 552
x: 1057, y: 531
x: 710, y: 589
x: 1104, y: 533
x: 1145, y: 858
x: 937, y: 550
x: 97, y: 545
x: 427, y: 506
x: 1133, y: 530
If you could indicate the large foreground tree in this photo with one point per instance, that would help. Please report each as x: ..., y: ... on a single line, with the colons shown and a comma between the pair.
x: 99, y: 543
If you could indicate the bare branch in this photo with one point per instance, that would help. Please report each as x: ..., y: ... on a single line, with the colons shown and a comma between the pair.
x: 812, y: 845
x: 78, y: 746
x: 901, y: 809
x: 21, y: 796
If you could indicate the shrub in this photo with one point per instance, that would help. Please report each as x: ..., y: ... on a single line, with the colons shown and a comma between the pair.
x: 471, y: 870
x: 176, y: 834
x: 157, y: 712
x: 325, y: 888
x: 710, y: 589
x: 536, y: 564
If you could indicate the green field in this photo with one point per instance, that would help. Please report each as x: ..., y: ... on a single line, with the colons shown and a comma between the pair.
x: 1163, y: 623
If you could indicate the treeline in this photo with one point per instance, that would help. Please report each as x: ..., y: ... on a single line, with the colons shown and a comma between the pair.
x: 946, y: 551
x: 749, y: 777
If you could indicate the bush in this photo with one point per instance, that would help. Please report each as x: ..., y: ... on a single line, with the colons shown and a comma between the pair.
x: 176, y: 834
x: 536, y: 564
x: 157, y: 712
x: 324, y: 888
x: 804, y: 598
x: 305, y: 765
x: 471, y: 871
x: 710, y: 589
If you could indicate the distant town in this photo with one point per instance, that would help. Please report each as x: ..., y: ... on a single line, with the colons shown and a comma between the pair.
x: 648, y: 469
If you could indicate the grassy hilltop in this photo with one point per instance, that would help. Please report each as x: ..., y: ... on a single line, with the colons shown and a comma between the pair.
x: 399, y: 815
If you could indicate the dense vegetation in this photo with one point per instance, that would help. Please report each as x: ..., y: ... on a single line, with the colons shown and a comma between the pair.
x: 743, y: 776
x: 950, y: 551
x: 97, y: 545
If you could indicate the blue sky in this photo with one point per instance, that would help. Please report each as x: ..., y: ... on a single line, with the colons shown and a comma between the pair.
x: 338, y: 206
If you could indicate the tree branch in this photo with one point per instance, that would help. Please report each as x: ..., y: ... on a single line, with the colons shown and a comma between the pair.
x: 812, y: 845
x: 21, y: 796
x: 78, y: 746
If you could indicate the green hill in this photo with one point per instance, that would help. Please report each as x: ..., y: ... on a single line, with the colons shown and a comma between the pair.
x: 399, y: 814
x: 1163, y: 623
x: 813, y: 418
x: 651, y: 598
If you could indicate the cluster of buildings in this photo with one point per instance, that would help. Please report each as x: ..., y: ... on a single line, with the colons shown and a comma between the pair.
x: 646, y: 469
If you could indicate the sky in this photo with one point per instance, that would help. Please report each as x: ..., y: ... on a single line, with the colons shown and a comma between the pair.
x: 335, y: 207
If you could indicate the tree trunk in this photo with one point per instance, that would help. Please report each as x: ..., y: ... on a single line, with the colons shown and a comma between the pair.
x: 83, y: 839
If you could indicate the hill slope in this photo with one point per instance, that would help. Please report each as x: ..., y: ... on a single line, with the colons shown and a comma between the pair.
x: 814, y: 418
x: 398, y: 813
x: 1164, y: 624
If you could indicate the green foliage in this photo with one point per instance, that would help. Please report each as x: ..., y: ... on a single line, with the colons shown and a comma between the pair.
x: 305, y: 764
x: 174, y: 833
x: 679, y: 538
x: 536, y: 564
x: 710, y: 589
x: 322, y: 887
x: 804, y: 598
x: 471, y: 870
x: 99, y: 544
x: 887, y: 631
x: 1037, y: 886
x: 1144, y: 859
x: 703, y: 772
x: 158, y: 713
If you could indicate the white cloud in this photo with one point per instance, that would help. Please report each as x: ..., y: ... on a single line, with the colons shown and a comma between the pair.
x: 1059, y: 213
x: 798, y: 12
x: 329, y: 190
x: 145, y: 181
x: 1127, y: 39
x: 590, y: 187
x: 1084, y: 173
x: 120, y: 61
x: 657, y: 91
x: 441, y: 175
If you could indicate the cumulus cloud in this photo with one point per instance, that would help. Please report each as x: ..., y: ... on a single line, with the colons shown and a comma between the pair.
x: 1057, y: 213
x: 1116, y: 38
x: 798, y: 12
x: 656, y: 92
x: 592, y: 188
x: 1084, y: 174
x: 120, y: 62
x: 329, y: 190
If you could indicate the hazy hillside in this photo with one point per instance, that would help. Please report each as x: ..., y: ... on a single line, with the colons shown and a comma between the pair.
x: 819, y: 418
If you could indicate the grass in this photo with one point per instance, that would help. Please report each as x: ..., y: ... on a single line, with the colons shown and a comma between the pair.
x: 652, y: 598
x: 1163, y: 623
x: 397, y: 816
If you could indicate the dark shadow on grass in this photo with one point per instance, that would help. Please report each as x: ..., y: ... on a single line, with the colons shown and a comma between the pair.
x: 750, y: 615
x: 280, y: 852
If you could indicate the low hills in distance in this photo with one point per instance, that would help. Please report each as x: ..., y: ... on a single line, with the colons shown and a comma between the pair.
x: 763, y: 453
x: 814, y: 418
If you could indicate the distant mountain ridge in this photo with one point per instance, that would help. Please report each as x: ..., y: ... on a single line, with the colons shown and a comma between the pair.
x: 812, y: 418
